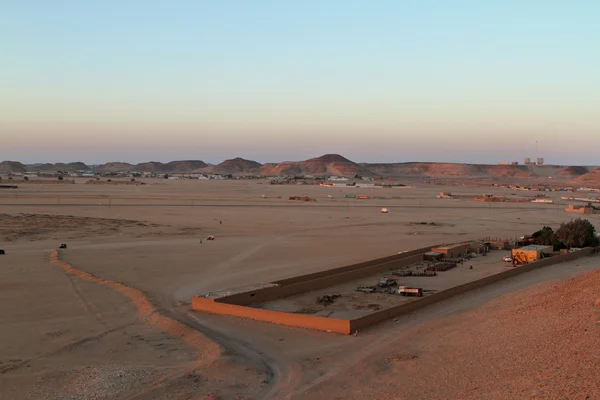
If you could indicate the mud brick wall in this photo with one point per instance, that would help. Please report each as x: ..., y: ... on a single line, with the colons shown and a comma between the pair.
x: 276, y: 317
x: 353, y: 267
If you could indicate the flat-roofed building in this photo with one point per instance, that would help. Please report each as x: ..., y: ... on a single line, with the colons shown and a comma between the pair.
x: 532, y: 252
x: 452, y: 250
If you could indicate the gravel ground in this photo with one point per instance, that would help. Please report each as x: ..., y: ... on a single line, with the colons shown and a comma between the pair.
x: 90, y: 383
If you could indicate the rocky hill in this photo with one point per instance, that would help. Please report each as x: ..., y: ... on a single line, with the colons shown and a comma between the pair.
x: 329, y: 164
x: 573, y: 172
x: 70, y: 167
x: 152, y: 166
x: 171, y: 167
x: 590, y: 178
x: 184, y: 166
x: 237, y: 166
x: 112, y: 167
x: 9, y: 167
x: 447, y: 170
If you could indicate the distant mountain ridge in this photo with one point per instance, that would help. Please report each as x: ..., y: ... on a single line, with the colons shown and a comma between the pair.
x: 328, y: 164
x: 451, y: 170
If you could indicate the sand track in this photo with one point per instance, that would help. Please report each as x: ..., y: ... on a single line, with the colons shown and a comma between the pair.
x: 206, y: 350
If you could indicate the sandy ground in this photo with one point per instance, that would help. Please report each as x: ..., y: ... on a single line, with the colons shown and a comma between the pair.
x: 65, y: 337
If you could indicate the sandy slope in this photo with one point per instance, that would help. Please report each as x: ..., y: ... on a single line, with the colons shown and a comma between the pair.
x: 542, y: 342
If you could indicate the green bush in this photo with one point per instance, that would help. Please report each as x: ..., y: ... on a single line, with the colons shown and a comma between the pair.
x: 578, y: 233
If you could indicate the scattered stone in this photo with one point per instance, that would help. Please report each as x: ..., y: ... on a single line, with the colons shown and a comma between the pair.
x: 327, y: 298
x: 399, y: 357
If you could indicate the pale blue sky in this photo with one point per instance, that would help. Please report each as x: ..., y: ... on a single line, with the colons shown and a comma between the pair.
x: 427, y: 80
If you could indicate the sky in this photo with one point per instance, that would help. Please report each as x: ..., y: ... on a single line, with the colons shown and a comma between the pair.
x: 274, y: 80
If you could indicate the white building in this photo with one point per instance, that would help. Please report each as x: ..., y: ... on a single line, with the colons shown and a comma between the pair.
x: 338, y: 178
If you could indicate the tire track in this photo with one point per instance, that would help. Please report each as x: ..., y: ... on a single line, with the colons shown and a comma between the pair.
x: 206, y: 350
x: 16, y: 365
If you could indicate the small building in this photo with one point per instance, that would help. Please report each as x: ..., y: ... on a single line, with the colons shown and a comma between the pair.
x: 488, y: 197
x: 452, y: 250
x: 432, y: 256
x: 531, y: 252
x: 542, y: 200
x: 500, y: 245
x: 581, y: 209
x: 479, y: 247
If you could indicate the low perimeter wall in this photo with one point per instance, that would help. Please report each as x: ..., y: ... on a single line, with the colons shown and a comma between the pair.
x: 277, y: 317
x: 235, y: 305
x: 353, y: 267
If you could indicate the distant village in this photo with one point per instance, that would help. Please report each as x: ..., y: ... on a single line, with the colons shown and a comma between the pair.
x: 324, y: 180
x: 129, y: 174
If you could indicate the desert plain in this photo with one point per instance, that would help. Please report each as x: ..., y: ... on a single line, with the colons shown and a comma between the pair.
x: 109, y: 317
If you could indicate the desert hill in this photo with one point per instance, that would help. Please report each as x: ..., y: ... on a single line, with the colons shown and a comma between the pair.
x: 450, y: 170
x: 173, y: 166
x: 69, y: 167
x: 184, y: 166
x: 152, y: 166
x: 573, y: 171
x: 590, y: 177
x: 113, y: 167
x: 237, y: 166
x: 329, y: 164
x: 8, y: 167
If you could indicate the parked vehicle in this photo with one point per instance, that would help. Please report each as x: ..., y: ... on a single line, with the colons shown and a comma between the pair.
x: 387, y: 282
x: 408, y: 291
x: 366, y: 289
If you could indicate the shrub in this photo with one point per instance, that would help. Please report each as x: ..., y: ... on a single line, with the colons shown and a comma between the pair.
x: 547, y: 237
x: 578, y: 233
